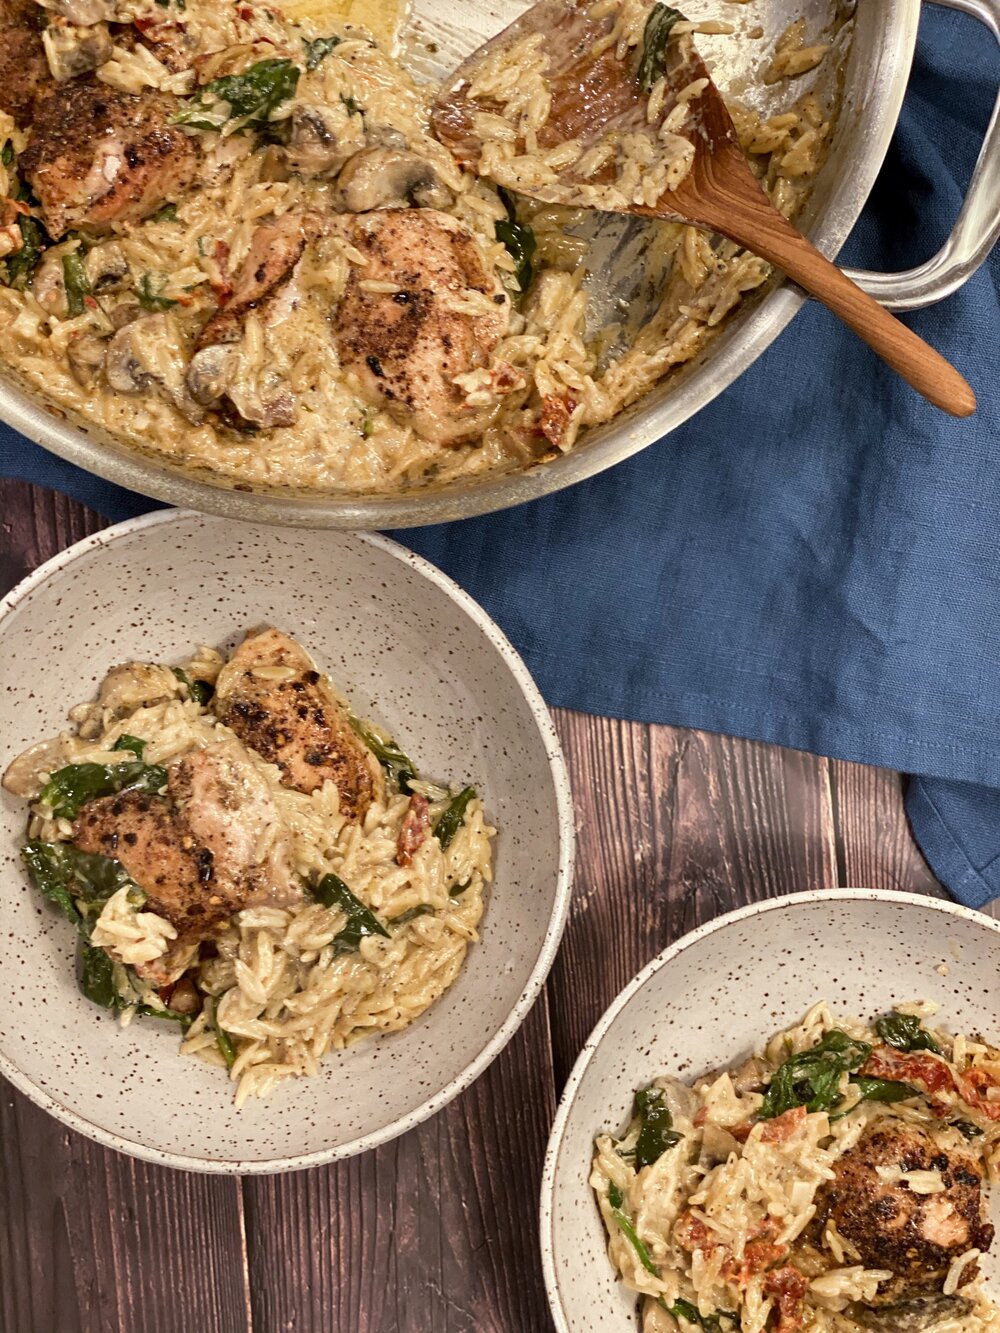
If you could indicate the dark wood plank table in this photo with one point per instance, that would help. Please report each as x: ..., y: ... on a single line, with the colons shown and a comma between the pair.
x: 436, y: 1232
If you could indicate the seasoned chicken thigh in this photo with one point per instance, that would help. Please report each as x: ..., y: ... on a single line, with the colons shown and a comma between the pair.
x: 408, y: 342
x: 24, y: 71
x: 913, y: 1227
x: 203, y: 852
x: 97, y: 156
x: 275, y: 700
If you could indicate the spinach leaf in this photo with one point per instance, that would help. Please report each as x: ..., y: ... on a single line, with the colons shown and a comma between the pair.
x: 616, y: 1199
x: 457, y: 890
x: 97, y: 979
x: 150, y: 297
x: 198, y: 690
x: 62, y: 873
x: 76, y: 282
x: 656, y: 35
x: 252, y: 96
x: 71, y: 787
x: 422, y: 909
x: 519, y: 240
x: 7, y: 156
x: 225, y: 1045
x: 812, y: 1078
x: 168, y: 213
x: 133, y: 743
x: 454, y: 816
x: 362, y: 922
x: 883, y: 1090
x: 318, y: 50
x: 397, y: 767
x: 711, y: 1323
x: 22, y: 263
x: 147, y: 1011
x: 656, y: 1133
x: 968, y: 1130
x: 904, y: 1033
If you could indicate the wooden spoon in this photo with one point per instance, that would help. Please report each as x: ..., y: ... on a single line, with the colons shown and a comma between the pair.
x: 596, y: 95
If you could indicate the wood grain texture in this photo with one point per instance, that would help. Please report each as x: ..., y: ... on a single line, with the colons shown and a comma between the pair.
x: 437, y: 1232
x: 674, y: 827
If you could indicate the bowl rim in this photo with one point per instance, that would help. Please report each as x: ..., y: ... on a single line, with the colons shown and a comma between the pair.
x: 550, y: 1169
x: 566, y: 833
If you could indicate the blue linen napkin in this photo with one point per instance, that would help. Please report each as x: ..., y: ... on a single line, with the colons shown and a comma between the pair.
x: 814, y: 559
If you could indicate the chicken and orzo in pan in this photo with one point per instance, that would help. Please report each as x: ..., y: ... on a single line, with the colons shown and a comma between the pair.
x: 245, y: 858
x: 230, y: 238
x: 836, y: 1183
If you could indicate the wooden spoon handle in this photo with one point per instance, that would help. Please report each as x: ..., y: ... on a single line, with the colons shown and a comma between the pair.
x: 762, y: 229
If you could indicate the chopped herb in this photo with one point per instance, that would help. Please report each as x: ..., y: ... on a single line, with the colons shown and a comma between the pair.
x: 7, y: 156
x: 656, y: 35
x: 968, y: 1130
x: 168, y: 213
x: 76, y: 282
x: 200, y: 691
x: 422, y: 909
x: 454, y: 816
x: 401, y: 770
x: 883, y: 1090
x: 656, y: 1134
x: 133, y: 743
x: 519, y: 240
x: 151, y: 297
x: 22, y: 263
x: 812, y: 1078
x: 97, y: 977
x: 711, y: 1323
x: 616, y: 1199
x: 457, y: 889
x: 252, y: 97
x: 368, y: 423
x: 318, y: 50
x: 362, y: 922
x: 904, y: 1033
x: 71, y: 787
x: 354, y: 108
x: 224, y: 1041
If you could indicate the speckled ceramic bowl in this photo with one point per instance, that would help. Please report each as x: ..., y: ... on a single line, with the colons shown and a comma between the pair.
x: 414, y: 653
x: 710, y: 1000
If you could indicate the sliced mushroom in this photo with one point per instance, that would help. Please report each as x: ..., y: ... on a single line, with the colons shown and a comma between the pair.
x: 85, y: 356
x: 322, y: 139
x: 106, y: 267
x: 133, y: 685
x: 211, y: 372
x: 149, y: 354
x: 388, y: 177
x: 25, y: 774
x: 72, y: 50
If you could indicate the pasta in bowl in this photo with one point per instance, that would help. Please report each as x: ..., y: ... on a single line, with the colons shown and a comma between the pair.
x: 390, y: 986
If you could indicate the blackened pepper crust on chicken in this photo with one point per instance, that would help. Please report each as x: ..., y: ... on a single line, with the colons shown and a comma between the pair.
x: 97, y: 156
x: 891, y: 1225
x: 24, y: 70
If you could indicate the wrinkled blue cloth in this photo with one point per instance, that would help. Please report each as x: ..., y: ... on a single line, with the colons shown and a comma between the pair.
x: 814, y: 560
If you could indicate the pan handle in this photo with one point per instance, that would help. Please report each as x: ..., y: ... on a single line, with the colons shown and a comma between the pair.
x: 978, y: 224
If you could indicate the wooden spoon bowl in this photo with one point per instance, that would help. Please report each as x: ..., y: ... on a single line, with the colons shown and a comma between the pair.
x: 598, y: 99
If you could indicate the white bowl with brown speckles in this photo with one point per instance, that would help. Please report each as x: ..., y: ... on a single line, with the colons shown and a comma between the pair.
x: 713, y: 998
x: 412, y: 651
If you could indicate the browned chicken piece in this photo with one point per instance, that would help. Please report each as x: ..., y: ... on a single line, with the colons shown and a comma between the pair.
x: 24, y: 71
x: 272, y: 696
x: 203, y: 852
x: 226, y: 806
x: 916, y: 1236
x: 97, y: 156
x: 274, y: 251
x: 407, y: 346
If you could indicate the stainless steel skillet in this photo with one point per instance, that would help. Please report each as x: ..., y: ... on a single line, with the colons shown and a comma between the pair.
x: 438, y: 34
